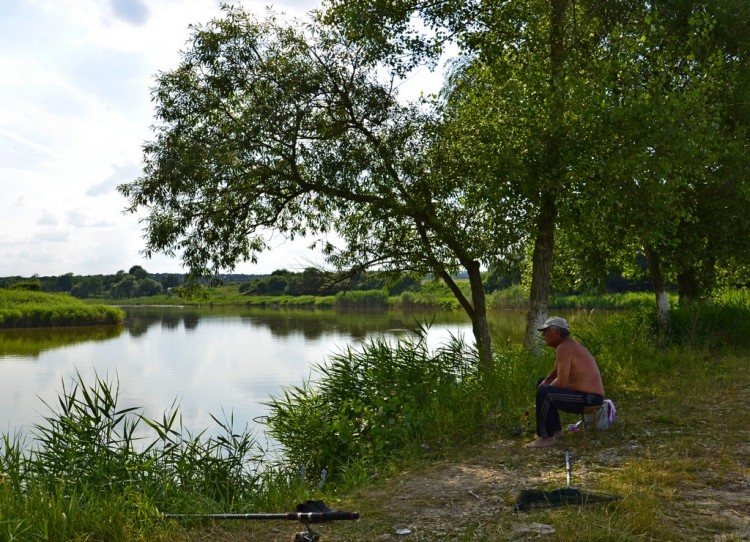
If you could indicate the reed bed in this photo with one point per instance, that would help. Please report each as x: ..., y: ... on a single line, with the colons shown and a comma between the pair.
x: 377, y: 299
x: 382, y: 403
x: 94, y: 470
x: 20, y: 308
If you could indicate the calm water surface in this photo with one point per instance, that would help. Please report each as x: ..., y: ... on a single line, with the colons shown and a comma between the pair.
x: 225, y: 362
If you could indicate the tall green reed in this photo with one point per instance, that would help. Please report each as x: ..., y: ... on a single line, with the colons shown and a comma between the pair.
x: 362, y: 299
x: 96, y: 470
x: 372, y: 404
x: 20, y: 308
x: 720, y: 323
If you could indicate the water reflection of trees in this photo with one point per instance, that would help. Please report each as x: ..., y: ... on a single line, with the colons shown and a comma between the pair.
x: 31, y: 342
x: 137, y: 322
x: 282, y: 322
x: 171, y: 320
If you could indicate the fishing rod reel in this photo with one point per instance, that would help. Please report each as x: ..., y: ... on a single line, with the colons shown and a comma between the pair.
x: 307, y: 536
x: 307, y: 513
x: 317, y: 507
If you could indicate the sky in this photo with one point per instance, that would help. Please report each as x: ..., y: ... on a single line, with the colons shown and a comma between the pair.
x: 75, y: 110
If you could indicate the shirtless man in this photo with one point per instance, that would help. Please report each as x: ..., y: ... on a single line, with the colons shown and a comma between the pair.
x: 573, y: 383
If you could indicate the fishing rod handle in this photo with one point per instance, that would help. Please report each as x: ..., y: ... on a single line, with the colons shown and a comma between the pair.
x: 305, y: 517
x: 320, y: 517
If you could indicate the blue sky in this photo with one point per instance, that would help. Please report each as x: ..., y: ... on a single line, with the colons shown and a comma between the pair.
x: 75, y: 111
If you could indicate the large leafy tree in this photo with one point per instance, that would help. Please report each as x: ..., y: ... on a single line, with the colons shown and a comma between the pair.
x: 608, y: 118
x: 669, y: 150
x: 265, y: 126
x: 510, y: 98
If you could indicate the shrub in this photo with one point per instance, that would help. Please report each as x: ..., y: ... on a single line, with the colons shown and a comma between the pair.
x: 513, y: 297
x: 362, y: 299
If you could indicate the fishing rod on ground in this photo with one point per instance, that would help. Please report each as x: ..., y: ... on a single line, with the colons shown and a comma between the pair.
x: 307, y: 513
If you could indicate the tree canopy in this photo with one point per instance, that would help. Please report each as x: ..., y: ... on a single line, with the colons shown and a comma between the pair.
x: 270, y: 126
x: 616, y: 124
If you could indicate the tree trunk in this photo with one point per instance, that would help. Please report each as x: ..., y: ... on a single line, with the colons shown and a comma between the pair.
x: 479, y: 324
x: 687, y: 286
x: 552, y: 180
x: 540, y: 274
x: 476, y: 309
x: 660, y: 288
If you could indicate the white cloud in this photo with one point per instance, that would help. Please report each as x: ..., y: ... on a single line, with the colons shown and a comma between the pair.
x: 131, y: 11
x: 47, y: 219
x: 75, y: 110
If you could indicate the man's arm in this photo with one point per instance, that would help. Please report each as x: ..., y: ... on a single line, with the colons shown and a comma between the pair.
x: 562, y: 366
x: 551, y: 376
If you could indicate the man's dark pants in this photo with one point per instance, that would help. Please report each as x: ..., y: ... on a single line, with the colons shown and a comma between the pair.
x: 551, y: 399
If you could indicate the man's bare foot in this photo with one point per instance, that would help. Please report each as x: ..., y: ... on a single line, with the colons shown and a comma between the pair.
x: 542, y: 442
x: 559, y: 435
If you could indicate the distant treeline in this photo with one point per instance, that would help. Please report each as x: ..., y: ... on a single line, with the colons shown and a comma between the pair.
x: 138, y: 283
x: 313, y: 281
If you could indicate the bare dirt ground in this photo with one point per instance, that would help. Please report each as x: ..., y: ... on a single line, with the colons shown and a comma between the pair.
x: 474, y: 498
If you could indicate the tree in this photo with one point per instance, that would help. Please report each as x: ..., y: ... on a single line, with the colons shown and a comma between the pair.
x: 64, y: 283
x: 266, y: 126
x: 87, y: 287
x: 674, y: 192
x: 138, y: 272
x: 602, y: 116
x: 148, y: 287
x: 125, y: 288
x: 312, y: 281
x: 514, y: 83
x: 170, y: 280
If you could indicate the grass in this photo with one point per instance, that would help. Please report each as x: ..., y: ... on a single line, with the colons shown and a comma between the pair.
x: 619, y: 301
x: 21, y: 309
x: 676, y: 454
x: 431, y: 294
x: 413, y: 439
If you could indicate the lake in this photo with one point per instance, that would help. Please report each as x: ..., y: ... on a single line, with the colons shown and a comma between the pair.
x: 221, y: 361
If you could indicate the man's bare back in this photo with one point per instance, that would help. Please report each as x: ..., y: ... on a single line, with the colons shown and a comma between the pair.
x: 582, y: 371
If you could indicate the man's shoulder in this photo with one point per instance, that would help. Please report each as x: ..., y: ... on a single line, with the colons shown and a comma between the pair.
x: 569, y: 342
x: 571, y: 345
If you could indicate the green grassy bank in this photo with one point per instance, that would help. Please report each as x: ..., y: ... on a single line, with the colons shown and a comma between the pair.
x: 389, y: 429
x: 430, y: 295
x: 20, y: 309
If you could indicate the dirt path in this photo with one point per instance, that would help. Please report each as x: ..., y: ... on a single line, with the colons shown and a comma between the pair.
x: 474, y: 498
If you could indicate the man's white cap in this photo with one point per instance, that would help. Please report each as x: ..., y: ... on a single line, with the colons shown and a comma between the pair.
x: 554, y: 321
